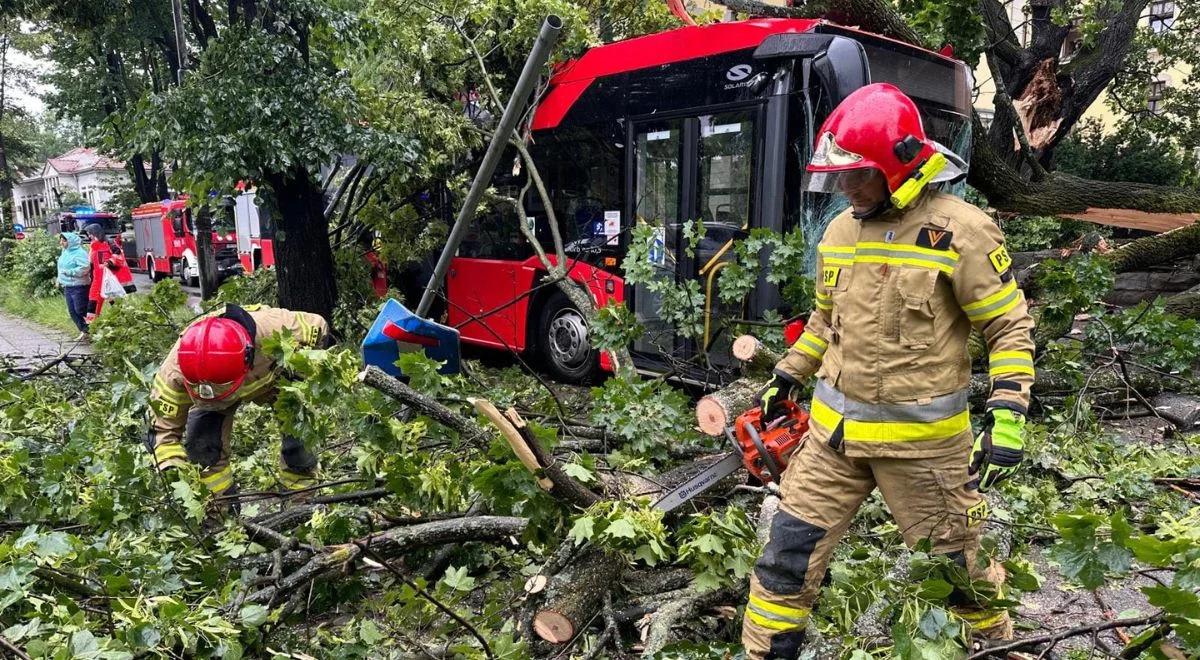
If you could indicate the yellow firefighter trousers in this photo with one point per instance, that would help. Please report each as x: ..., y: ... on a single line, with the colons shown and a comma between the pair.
x: 206, y: 443
x: 821, y: 491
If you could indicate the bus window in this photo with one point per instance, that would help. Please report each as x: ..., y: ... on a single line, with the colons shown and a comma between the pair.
x: 725, y: 159
x: 582, y: 170
x: 494, y: 234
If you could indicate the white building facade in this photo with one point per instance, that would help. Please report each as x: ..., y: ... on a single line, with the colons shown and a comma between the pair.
x: 94, y: 177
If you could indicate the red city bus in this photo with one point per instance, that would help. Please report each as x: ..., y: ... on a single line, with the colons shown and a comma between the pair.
x: 166, y: 242
x: 712, y: 122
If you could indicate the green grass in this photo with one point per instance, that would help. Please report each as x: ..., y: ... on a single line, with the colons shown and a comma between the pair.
x: 50, y: 312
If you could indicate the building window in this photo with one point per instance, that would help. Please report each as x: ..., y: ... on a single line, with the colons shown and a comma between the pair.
x: 1158, y: 90
x: 1162, y: 16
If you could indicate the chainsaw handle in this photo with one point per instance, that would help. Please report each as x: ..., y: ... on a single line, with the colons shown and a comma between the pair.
x: 772, y: 467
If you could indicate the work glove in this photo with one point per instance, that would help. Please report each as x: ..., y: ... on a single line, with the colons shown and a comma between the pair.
x: 998, y: 449
x: 771, y: 397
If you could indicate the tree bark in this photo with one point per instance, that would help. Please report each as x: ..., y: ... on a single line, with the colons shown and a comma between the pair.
x: 1155, y: 250
x: 393, y: 543
x: 574, y: 594
x: 755, y: 357
x: 1186, y: 304
x: 303, y: 258
x: 717, y: 411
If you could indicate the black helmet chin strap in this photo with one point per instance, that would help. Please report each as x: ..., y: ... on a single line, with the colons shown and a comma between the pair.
x: 879, y: 209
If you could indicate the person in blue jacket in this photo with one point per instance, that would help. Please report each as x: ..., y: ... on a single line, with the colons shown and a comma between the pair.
x: 74, y: 276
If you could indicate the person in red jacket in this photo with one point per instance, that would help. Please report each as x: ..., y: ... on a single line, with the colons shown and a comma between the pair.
x: 105, y: 255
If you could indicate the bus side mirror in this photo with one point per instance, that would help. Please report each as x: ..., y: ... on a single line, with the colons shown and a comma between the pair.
x: 839, y: 62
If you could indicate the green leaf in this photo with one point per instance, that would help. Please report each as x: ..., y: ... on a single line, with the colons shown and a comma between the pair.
x: 621, y: 528
x: 369, y: 632
x: 710, y: 543
x: 583, y: 529
x: 457, y: 579
x: 933, y: 622
x: 647, y: 554
x: 935, y: 589
x: 1174, y: 601
x: 253, y: 615
x: 84, y: 644
x: 577, y: 471
x: 53, y: 545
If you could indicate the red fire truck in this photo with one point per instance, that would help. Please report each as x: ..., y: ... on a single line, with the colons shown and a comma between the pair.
x: 166, y: 242
x: 255, y: 233
x: 710, y: 122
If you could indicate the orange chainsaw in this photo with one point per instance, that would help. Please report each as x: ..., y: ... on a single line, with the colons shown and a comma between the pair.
x: 762, y: 451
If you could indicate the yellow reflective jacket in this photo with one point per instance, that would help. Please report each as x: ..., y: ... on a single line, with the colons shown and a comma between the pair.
x: 896, y: 298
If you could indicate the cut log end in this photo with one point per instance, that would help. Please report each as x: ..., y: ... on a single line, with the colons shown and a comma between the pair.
x: 553, y: 627
x: 746, y: 347
x: 711, y: 416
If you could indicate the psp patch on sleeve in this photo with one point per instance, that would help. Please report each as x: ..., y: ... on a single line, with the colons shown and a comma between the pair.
x: 830, y: 275
x: 1000, y: 259
x: 934, y: 239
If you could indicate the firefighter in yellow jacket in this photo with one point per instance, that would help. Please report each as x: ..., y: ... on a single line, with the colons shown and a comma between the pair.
x: 903, y: 277
x: 214, y: 367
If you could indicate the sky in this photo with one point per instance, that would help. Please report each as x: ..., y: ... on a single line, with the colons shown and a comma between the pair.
x: 30, y: 102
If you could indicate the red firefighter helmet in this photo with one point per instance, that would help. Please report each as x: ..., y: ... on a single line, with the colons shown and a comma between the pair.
x: 879, y: 127
x: 215, y: 354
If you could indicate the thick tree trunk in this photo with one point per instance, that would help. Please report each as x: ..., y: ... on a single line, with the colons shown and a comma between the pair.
x: 1155, y: 250
x: 1007, y: 190
x: 1186, y: 304
x: 303, y: 257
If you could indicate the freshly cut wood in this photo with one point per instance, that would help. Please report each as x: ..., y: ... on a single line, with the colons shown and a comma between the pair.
x: 541, y: 464
x: 514, y: 440
x: 574, y: 594
x: 755, y: 356
x: 716, y: 411
x: 579, y: 579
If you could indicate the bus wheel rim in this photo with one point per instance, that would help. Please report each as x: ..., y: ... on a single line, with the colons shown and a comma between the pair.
x: 568, y: 339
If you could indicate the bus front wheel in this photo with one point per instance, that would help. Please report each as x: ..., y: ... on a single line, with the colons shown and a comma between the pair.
x: 562, y: 341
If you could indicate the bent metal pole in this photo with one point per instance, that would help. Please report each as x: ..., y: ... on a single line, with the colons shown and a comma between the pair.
x: 508, y: 121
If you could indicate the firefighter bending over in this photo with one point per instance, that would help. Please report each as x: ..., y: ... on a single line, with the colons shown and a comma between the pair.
x: 214, y: 367
x: 905, y: 274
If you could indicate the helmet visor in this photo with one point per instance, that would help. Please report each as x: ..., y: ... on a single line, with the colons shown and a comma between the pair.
x: 842, y: 182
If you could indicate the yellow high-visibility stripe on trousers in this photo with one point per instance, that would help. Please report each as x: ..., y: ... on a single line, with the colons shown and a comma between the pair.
x: 296, y: 480
x: 219, y: 481
x: 170, y: 454
x: 775, y: 616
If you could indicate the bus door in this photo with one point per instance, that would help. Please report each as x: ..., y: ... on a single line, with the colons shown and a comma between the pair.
x: 700, y: 169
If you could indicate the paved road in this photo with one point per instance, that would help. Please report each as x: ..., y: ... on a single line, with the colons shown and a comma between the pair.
x: 144, y: 285
x: 29, y: 343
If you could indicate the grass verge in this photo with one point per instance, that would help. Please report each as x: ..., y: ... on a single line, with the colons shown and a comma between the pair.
x: 50, y: 312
